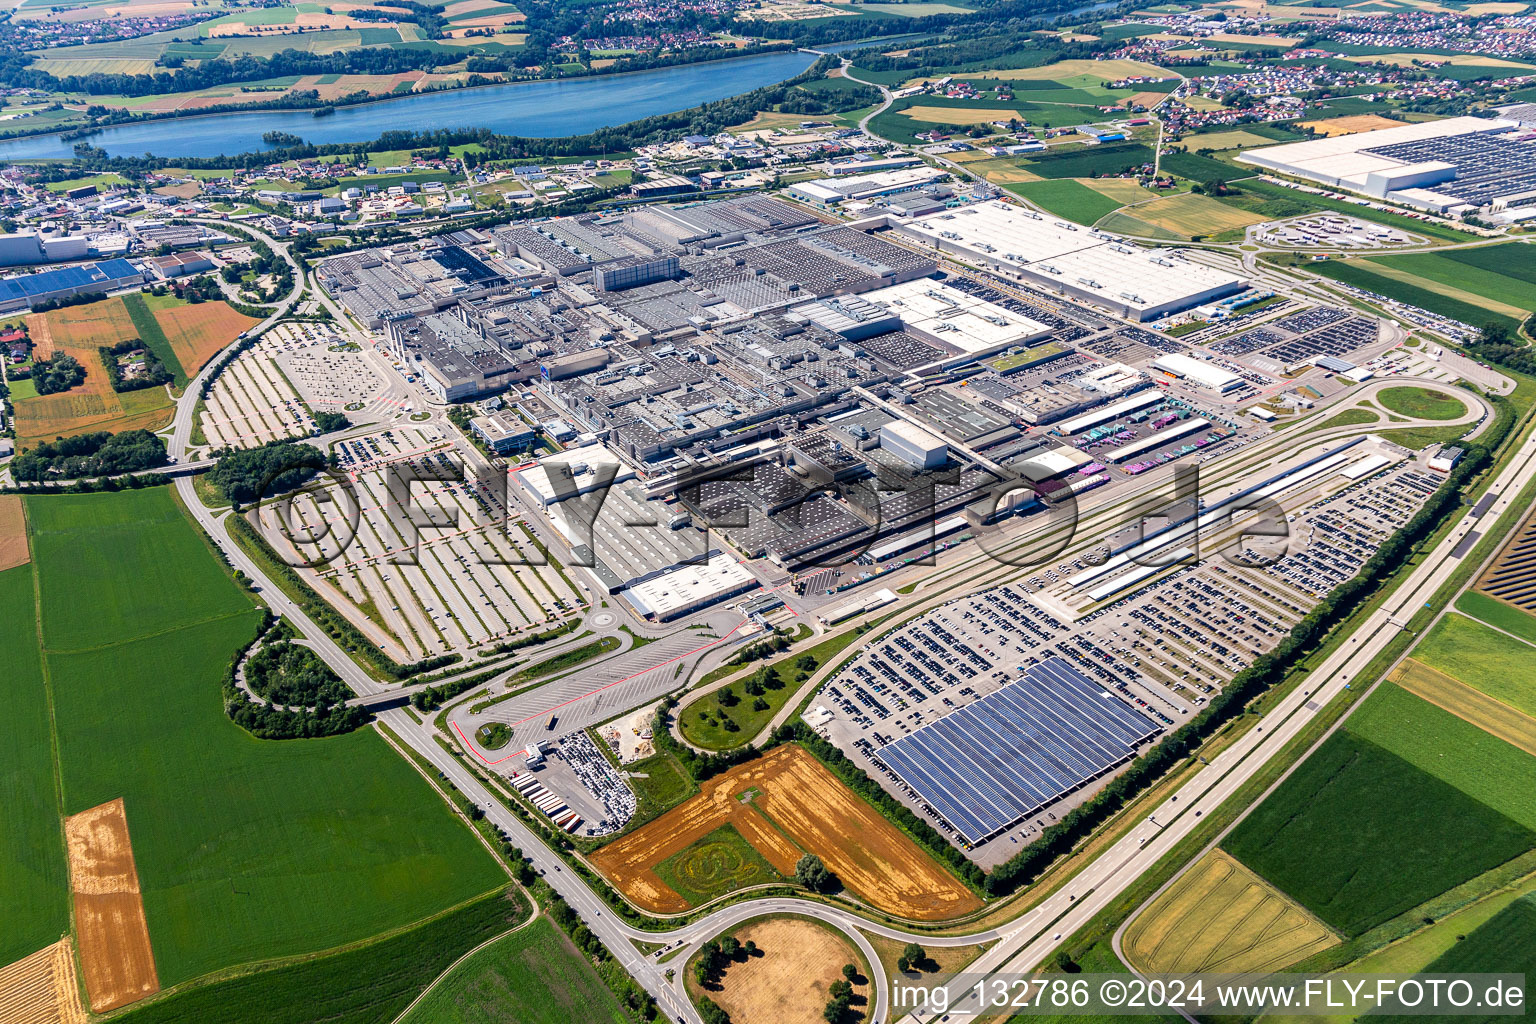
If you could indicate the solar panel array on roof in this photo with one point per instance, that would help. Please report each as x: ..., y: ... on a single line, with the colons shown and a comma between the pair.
x: 1008, y: 755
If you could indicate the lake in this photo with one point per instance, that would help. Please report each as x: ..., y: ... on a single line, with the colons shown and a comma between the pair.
x: 537, y: 109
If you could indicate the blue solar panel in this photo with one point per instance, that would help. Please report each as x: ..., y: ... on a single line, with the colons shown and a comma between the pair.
x: 1011, y: 753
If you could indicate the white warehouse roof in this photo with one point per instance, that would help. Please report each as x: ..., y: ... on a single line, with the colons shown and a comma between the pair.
x: 1092, y: 265
x: 944, y: 312
x: 1203, y: 373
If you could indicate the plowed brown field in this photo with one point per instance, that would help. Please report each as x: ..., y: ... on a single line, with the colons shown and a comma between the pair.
x: 13, y: 533
x: 109, y: 914
x: 198, y: 332
x: 798, y: 807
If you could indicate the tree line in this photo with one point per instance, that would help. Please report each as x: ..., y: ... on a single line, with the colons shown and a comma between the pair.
x: 89, y: 455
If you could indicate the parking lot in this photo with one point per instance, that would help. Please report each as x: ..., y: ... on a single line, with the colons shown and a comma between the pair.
x: 1162, y: 634
x: 421, y: 590
x: 1331, y: 230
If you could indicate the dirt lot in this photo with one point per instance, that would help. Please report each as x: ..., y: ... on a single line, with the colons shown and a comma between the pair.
x: 798, y: 806
x: 1469, y: 705
x: 788, y: 983
x: 41, y: 988
x: 1220, y: 916
x: 197, y: 333
x: 79, y: 331
x: 109, y: 914
x: 13, y: 533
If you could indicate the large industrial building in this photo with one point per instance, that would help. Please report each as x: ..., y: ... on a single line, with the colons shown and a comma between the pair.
x: 31, y: 290
x: 1077, y: 262
x: 1449, y: 167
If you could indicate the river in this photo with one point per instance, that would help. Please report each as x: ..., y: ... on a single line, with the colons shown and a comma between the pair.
x: 537, y: 109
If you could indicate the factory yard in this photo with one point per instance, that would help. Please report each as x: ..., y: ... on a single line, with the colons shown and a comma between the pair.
x: 785, y: 804
x: 420, y: 592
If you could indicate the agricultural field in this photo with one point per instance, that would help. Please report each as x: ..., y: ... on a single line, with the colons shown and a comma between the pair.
x: 788, y: 983
x: 115, y: 956
x: 1505, y: 943
x: 1181, y: 217
x: 153, y: 336
x: 1074, y: 162
x: 1485, y: 659
x: 1459, y: 303
x: 42, y: 988
x: 1498, y: 278
x: 79, y: 331
x: 13, y: 533
x: 199, y: 332
x: 329, y: 841
x: 1508, y: 617
x: 1470, y: 705
x: 1219, y: 916
x: 785, y: 804
x: 370, y: 983
x: 1365, y: 805
x: 34, y: 875
x: 533, y: 976
x: 1076, y: 200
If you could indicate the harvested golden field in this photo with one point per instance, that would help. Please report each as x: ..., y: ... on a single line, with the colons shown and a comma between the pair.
x: 79, y: 331
x: 199, y: 332
x: 109, y: 913
x: 41, y: 988
x: 784, y: 804
x: 1468, y: 704
x: 1002, y: 171
x: 1352, y: 124
x: 13, y: 533
x: 960, y: 115
x: 788, y: 983
x: 1221, y: 917
x: 1105, y: 70
x: 1189, y: 215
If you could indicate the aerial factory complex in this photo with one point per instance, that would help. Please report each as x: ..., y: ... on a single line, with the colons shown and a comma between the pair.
x: 760, y: 511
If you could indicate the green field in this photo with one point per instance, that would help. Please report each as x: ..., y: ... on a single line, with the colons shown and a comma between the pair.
x: 1485, y: 659
x: 246, y: 849
x: 1421, y: 403
x: 153, y: 336
x: 1496, y: 613
x: 1089, y: 161
x: 1360, y: 274
x: 1067, y: 198
x: 1505, y: 944
x: 533, y: 976
x: 34, y: 879
x: 1358, y: 835
x: 1505, y: 273
x: 367, y: 984
x: 719, y: 863
x: 1496, y: 774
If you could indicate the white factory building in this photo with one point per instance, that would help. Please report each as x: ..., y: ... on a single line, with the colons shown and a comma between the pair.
x: 1415, y: 164
x: 913, y: 445
x: 1091, y: 266
x: 1206, y: 375
x: 946, y: 314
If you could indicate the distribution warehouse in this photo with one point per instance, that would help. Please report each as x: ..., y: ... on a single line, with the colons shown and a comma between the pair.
x: 1453, y: 166
x: 1078, y: 262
